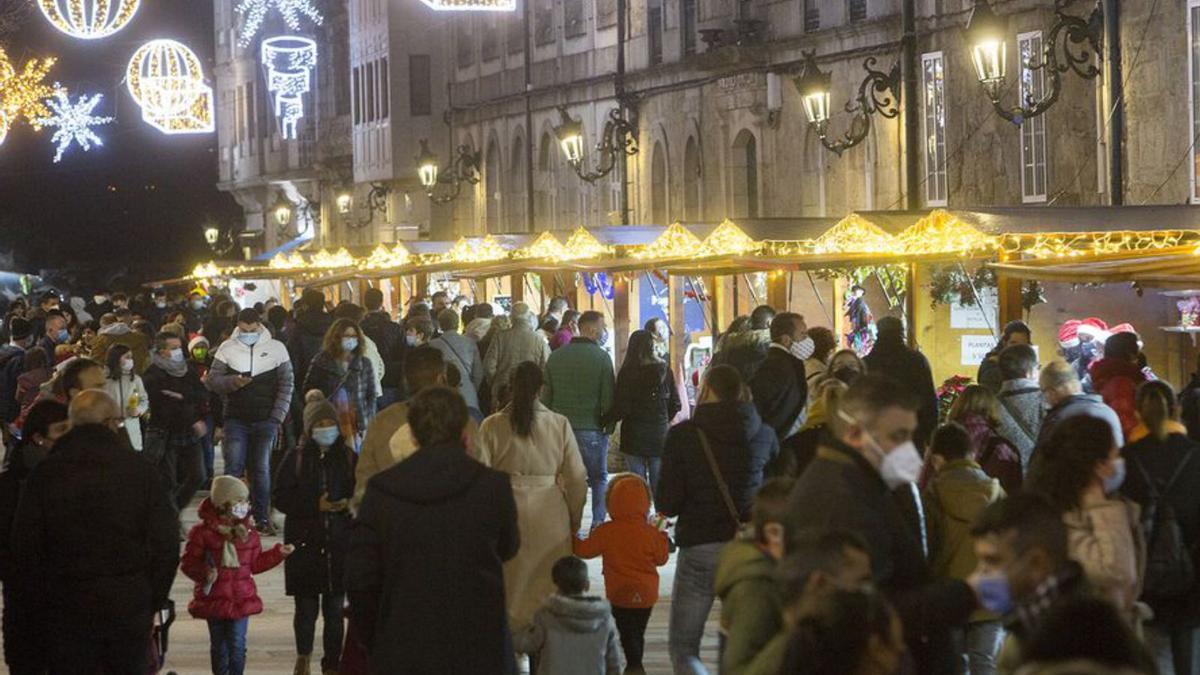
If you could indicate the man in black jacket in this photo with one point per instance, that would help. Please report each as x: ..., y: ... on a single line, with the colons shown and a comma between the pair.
x: 780, y: 387
x: 908, y: 367
x: 388, y: 337
x: 863, y: 471
x: 305, y: 340
x: 441, y: 611
x: 96, y: 545
x: 177, y: 397
x: 12, y: 366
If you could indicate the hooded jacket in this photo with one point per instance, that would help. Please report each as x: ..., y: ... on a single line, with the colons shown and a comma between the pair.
x: 573, y: 635
x: 631, y: 548
x: 751, y: 615
x: 269, y: 394
x: 233, y: 596
x: 745, y: 351
x: 953, y: 501
x: 441, y: 611
x: 120, y: 334
x: 1117, y: 381
x: 687, y: 488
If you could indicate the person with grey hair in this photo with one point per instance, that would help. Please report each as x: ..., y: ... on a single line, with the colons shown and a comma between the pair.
x: 1064, y: 393
x: 510, y: 348
x: 461, y: 352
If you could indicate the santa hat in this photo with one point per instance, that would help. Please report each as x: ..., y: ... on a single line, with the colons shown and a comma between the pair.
x: 1094, y: 328
x: 1123, y: 328
x: 1068, y: 334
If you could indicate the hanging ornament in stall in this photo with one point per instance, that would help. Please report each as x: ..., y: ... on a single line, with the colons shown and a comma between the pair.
x: 600, y: 282
x: 23, y: 92
x: 165, y: 78
x: 73, y: 121
x: 89, y: 19
x: 289, y: 62
x: 254, y: 12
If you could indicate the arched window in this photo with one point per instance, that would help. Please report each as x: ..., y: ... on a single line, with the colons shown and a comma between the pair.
x: 543, y: 184
x: 745, y: 175
x: 493, y: 182
x: 516, y: 189
x: 693, y: 208
x: 658, y: 185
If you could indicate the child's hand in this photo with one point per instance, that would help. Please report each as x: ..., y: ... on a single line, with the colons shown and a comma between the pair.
x: 212, y: 575
x: 287, y: 549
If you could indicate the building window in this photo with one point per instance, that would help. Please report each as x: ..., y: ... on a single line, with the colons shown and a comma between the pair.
x: 543, y: 23
x: 654, y: 31
x: 812, y: 16
x: 687, y: 26
x: 371, y: 84
x: 692, y: 175
x: 574, y: 18
x: 464, y: 42
x: 658, y: 186
x: 1193, y: 25
x: 1033, y: 131
x: 858, y: 10
x: 356, y: 94
x: 420, y: 85
x: 516, y: 33
x: 934, y: 85
x: 745, y: 175
x: 606, y: 13
x: 490, y: 47
x: 341, y: 63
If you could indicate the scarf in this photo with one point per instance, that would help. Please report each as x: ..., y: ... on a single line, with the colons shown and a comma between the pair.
x: 172, y: 368
x: 229, y: 556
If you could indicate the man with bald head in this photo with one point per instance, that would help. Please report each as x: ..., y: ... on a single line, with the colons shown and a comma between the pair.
x: 96, y: 544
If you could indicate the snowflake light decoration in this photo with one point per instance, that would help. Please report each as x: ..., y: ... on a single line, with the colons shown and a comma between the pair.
x: 289, y: 61
x: 74, y: 121
x: 23, y: 92
x: 255, y: 11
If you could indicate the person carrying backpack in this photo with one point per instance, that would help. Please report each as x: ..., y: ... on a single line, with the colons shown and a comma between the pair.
x: 1164, y: 479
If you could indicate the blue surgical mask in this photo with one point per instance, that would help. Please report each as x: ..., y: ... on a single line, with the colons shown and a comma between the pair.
x: 410, y: 340
x: 325, y: 436
x: 177, y: 355
x: 248, y: 339
x: 994, y: 594
x: 62, y: 336
x: 603, y: 340
x: 1113, y: 483
x: 349, y: 344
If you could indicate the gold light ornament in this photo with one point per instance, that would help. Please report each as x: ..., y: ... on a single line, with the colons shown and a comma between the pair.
x: 323, y: 259
x: 729, y: 239
x: 383, y: 258
x: 1044, y: 246
x: 208, y: 270
x: 166, y: 79
x: 675, y: 242
x: 942, y: 233
x: 583, y: 245
x: 89, y: 19
x: 23, y: 92
x: 476, y: 250
x: 283, y: 261
x: 545, y: 247
x: 853, y: 234
x: 472, y: 5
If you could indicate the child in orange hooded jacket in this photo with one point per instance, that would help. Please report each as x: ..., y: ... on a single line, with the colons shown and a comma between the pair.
x: 632, y: 550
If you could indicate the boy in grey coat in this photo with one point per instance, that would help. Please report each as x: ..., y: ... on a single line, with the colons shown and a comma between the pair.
x: 573, y: 633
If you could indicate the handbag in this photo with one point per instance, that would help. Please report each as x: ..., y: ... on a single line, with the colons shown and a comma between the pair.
x: 722, y: 486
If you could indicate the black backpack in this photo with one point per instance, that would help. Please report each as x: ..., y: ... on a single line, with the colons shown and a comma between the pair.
x: 1170, y: 570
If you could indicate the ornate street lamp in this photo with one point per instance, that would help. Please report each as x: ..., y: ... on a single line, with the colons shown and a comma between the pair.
x: 879, y: 92
x: 376, y: 202
x: 464, y: 168
x: 282, y: 210
x: 1074, y: 40
x: 619, y: 136
x: 219, y: 239
x: 345, y: 202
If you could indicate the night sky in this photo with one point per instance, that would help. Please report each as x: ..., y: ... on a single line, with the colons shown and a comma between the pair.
x: 137, y: 202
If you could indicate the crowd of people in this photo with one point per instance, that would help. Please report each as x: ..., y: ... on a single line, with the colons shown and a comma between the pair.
x: 432, y: 475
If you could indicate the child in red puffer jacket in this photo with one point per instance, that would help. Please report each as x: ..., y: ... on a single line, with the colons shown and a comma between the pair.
x: 222, y: 555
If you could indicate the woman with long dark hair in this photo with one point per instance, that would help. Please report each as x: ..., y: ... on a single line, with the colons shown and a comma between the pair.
x: 125, y: 386
x: 342, y: 372
x: 644, y: 402
x: 1080, y: 470
x: 537, y: 448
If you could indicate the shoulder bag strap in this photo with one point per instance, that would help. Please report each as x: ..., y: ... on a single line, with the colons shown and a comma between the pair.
x: 1017, y: 418
x: 716, y: 472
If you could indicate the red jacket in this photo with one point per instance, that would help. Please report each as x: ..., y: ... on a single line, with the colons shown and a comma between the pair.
x: 632, y: 548
x: 1117, y: 383
x: 234, y: 595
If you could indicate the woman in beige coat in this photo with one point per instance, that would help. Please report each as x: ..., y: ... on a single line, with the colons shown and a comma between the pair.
x: 537, y: 448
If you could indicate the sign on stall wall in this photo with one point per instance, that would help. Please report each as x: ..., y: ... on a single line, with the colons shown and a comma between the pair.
x: 976, y: 347
x: 971, y: 317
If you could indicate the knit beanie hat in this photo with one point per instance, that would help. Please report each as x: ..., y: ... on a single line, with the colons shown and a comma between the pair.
x: 228, y: 490
x: 317, y: 408
x: 20, y: 328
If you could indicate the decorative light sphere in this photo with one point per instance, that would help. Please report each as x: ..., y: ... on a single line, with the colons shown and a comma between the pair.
x: 166, y: 79
x: 89, y: 19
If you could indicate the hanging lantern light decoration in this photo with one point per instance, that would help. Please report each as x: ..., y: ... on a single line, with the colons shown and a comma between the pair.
x: 89, y: 19
x: 289, y: 61
x: 166, y: 79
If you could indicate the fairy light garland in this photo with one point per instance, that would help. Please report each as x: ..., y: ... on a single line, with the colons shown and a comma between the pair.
x: 583, y: 245
x: 942, y: 233
x: 545, y: 247
x: 729, y: 239
x: 675, y: 242
x: 383, y: 258
x: 1044, y: 246
x: 471, y: 251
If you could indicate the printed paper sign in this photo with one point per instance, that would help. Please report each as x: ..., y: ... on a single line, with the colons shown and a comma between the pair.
x: 975, y: 348
x: 971, y: 317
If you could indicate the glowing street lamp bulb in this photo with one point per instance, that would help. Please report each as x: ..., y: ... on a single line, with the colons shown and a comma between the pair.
x: 211, y: 235
x: 166, y: 79
x: 89, y: 19
x: 570, y: 137
x: 427, y: 166
x: 344, y: 203
x: 985, y: 34
x: 814, y: 89
x: 283, y: 214
x: 289, y: 61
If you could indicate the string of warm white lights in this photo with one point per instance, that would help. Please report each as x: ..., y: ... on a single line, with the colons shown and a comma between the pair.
x: 470, y: 251
x: 23, y: 92
x: 73, y: 121
x: 166, y: 79
x: 254, y: 12
x: 383, y: 258
x: 89, y: 19
x: 942, y: 233
x: 1076, y: 245
x: 289, y: 61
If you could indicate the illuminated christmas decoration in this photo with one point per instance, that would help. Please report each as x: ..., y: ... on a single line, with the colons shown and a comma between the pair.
x: 583, y: 245
x: 470, y: 251
x: 472, y: 5
x: 89, y: 19
x: 1072, y: 245
x: 852, y: 234
x: 23, y: 92
x: 729, y: 239
x: 545, y: 247
x: 942, y: 233
x: 74, y: 121
x: 675, y: 242
x: 321, y: 260
x: 254, y: 12
x: 165, y: 78
x: 289, y: 62
x: 383, y: 258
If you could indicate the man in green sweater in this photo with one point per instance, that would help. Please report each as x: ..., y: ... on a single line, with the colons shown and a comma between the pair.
x: 579, y: 386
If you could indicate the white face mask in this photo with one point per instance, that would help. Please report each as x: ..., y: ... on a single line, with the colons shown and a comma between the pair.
x: 803, y: 349
x: 900, y: 466
x: 240, y: 510
x: 126, y: 365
